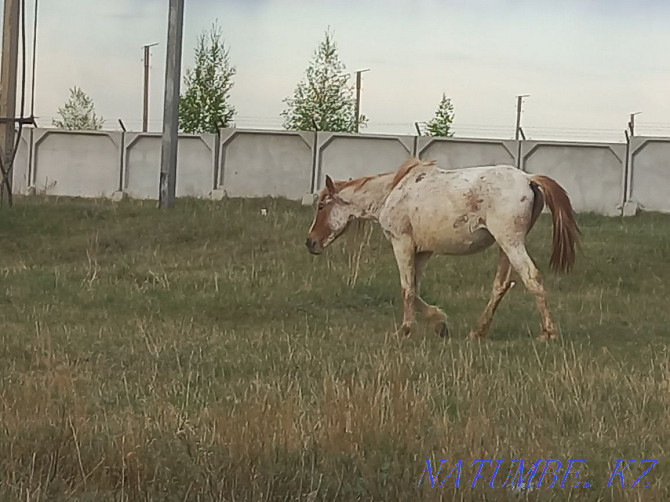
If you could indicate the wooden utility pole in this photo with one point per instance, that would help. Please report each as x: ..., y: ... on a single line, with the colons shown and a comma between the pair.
x: 358, y: 96
x: 147, y: 66
x: 168, y: 177
x: 8, y: 72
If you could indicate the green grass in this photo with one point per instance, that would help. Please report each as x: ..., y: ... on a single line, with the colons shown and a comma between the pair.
x: 203, y: 354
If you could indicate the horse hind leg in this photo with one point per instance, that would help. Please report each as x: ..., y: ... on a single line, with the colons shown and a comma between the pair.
x: 501, y: 284
x: 530, y: 275
x: 431, y: 313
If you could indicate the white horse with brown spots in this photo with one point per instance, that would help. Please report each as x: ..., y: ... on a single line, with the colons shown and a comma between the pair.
x: 424, y: 210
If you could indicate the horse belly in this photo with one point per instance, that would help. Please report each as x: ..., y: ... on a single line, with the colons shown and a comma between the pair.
x: 455, y: 241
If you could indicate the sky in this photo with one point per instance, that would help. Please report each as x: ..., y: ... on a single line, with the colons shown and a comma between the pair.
x: 586, y: 65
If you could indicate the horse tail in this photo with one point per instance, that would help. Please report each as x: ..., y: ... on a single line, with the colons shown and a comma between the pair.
x: 566, y: 231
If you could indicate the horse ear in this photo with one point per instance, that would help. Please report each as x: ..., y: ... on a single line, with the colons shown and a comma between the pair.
x: 330, y: 186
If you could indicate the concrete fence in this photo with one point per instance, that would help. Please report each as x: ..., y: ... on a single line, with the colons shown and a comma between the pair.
x: 452, y: 153
x: 344, y: 156
x: 80, y: 164
x: 648, y: 176
x: 605, y: 178
x: 265, y: 163
x: 593, y: 174
x: 140, y: 165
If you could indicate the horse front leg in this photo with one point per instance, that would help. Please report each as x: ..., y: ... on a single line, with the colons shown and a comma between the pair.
x: 403, y: 249
x: 431, y: 313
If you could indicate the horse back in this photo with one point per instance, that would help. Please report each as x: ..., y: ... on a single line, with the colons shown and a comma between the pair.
x: 450, y: 210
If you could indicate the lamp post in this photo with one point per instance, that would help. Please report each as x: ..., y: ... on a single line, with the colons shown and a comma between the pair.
x: 519, y: 102
x: 358, y: 96
x: 145, y: 110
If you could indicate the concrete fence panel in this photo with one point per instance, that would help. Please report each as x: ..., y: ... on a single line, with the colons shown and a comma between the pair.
x: 195, y: 165
x: 649, y: 176
x: 343, y: 156
x: 450, y: 153
x: 76, y: 163
x: 142, y: 165
x: 592, y: 173
x: 256, y: 163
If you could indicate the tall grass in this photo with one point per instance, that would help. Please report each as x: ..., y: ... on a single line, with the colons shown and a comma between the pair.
x: 203, y: 354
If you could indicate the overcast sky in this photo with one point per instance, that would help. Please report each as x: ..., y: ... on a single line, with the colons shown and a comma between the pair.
x: 586, y: 64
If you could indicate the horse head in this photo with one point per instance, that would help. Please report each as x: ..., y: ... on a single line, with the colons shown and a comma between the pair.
x: 333, y: 215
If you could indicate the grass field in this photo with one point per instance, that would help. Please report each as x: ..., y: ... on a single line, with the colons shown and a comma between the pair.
x: 203, y: 354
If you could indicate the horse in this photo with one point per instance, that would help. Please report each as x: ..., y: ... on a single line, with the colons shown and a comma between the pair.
x: 425, y: 210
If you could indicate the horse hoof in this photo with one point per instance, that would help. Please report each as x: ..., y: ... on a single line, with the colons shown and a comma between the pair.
x: 404, y: 331
x: 442, y: 330
x: 547, y: 335
x: 476, y: 335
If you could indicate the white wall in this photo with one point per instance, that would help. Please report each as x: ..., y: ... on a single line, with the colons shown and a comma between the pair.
x: 451, y: 153
x: 195, y: 165
x: 265, y: 163
x: 343, y: 156
x: 79, y: 164
x: 259, y: 163
x: 649, y: 177
x: 591, y: 173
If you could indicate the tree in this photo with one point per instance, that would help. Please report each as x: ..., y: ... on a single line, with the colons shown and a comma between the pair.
x: 323, y: 100
x: 440, y: 124
x: 204, y: 106
x: 78, y: 113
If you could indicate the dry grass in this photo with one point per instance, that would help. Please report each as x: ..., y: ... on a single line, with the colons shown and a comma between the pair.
x: 203, y: 354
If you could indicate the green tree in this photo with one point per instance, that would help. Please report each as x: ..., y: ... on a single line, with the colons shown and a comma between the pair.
x: 204, y: 106
x: 78, y: 113
x: 323, y: 100
x: 440, y: 124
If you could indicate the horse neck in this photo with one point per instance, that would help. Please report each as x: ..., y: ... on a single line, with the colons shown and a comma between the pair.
x: 368, y: 194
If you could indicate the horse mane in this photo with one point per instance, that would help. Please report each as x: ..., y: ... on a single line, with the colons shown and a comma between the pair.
x: 357, y: 183
x: 406, y: 167
x: 403, y: 170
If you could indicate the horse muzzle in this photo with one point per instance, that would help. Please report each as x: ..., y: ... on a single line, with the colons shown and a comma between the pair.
x: 313, y: 246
